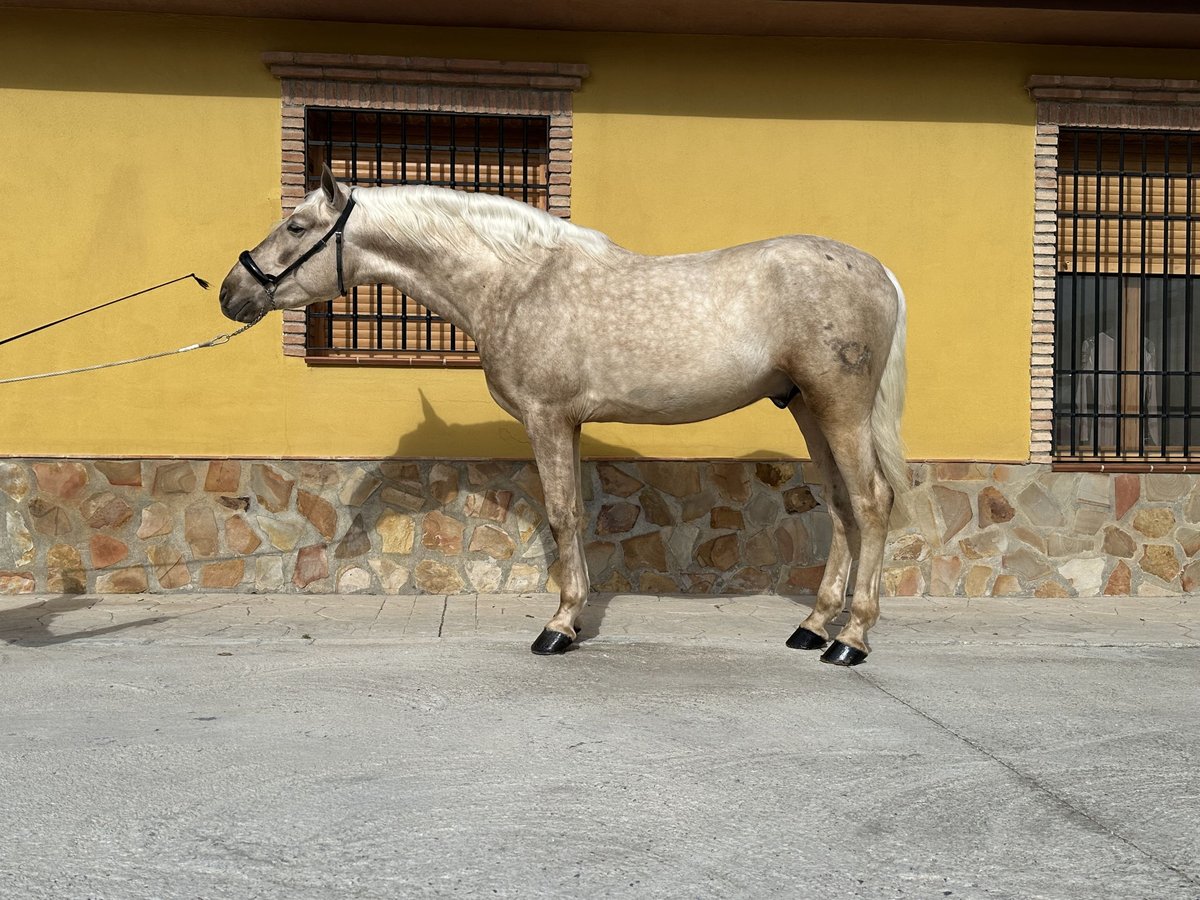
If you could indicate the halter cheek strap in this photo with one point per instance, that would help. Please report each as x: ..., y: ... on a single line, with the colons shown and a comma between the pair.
x: 271, y: 282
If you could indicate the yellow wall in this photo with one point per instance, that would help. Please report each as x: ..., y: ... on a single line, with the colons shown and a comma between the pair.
x: 134, y: 149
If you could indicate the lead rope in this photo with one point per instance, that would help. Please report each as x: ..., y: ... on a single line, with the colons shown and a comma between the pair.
x: 211, y: 342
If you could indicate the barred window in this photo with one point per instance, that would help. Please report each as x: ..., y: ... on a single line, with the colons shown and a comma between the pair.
x: 1127, y: 334
x: 497, y: 154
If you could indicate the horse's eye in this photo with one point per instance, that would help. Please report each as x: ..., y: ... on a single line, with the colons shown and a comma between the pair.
x: 293, y: 228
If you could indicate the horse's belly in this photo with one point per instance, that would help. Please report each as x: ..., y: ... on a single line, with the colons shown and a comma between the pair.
x: 675, y: 401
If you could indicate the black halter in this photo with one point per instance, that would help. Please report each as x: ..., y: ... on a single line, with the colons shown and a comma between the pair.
x: 271, y: 282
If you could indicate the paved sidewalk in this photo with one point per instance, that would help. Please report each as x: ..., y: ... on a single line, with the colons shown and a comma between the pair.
x: 267, y: 746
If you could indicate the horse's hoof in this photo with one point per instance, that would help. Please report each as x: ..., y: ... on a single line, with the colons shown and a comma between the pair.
x: 803, y: 639
x: 550, y: 643
x: 840, y: 654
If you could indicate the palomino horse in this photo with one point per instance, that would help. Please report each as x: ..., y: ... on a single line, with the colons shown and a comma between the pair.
x: 569, y: 328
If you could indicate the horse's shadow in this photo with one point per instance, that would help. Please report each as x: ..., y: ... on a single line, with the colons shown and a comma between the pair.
x: 29, y: 626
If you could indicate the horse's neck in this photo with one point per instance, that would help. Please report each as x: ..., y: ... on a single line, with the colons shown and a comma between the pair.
x: 457, y: 282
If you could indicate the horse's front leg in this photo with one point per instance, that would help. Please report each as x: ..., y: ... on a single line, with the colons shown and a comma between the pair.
x: 555, y: 442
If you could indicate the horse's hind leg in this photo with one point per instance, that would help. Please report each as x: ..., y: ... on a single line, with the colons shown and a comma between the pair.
x: 555, y: 443
x: 870, y: 497
x: 831, y: 595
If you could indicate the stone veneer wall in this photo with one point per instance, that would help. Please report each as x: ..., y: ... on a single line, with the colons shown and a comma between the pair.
x: 401, y: 526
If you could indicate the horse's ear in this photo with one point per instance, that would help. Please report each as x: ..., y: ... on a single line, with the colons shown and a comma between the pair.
x: 335, y: 194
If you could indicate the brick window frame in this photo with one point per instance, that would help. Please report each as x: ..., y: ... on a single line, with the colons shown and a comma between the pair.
x: 418, y: 84
x: 1066, y: 101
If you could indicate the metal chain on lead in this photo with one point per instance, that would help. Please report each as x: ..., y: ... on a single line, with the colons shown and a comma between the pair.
x: 211, y: 342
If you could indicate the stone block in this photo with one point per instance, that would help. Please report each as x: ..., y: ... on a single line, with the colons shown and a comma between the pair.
x: 17, y: 583
x: 944, y: 572
x: 645, y: 551
x: 803, y: 579
x: 752, y: 580
x: 492, y: 505
x: 1118, y: 543
x: 174, y: 478
x: 407, y: 473
x: 1089, y: 519
x: 1160, y: 488
x: 396, y: 532
x: 904, y: 581
x: 731, y: 481
x: 1040, y: 508
x: 1119, y: 582
x: 64, y: 570
x: 242, y: 504
x: 489, y: 472
x: 698, y: 506
x: 599, y: 554
x: 200, y: 530
x: 61, y: 480
x: 409, y: 500
x: 353, y: 580
x: 1127, y: 489
x: 798, y: 500
x: 312, y: 564
x: 774, y: 474
x: 225, y: 575
x: 793, y: 541
x: 1026, y: 563
x: 1062, y: 545
x: 655, y: 507
x: 984, y: 544
x: 675, y: 477
x: 1084, y: 575
x: 283, y: 534
x: 358, y: 488
x: 105, y: 510
x: 319, y: 511
x: 614, y: 583
x: 121, y: 472
x: 719, y: 553
x: 1006, y: 586
x: 993, y: 507
x: 272, y: 488
x: 763, y: 508
x: 1050, y: 590
x: 726, y: 518
x: 317, y: 476
x: 617, y: 518
x: 106, y: 550
x: 48, y: 519
x: 1154, y: 522
x: 1094, y: 489
x: 1191, y: 577
x: 523, y: 579
x: 268, y: 573
x: 1189, y: 540
x: 19, y: 538
x: 355, y: 542
x: 223, y: 476
x: 909, y: 547
x: 443, y: 483
x: 528, y: 480
x: 123, y: 581
x: 392, y: 576
x: 240, y: 537
x: 761, y: 549
x: 528, y: 519
x: 493, y: 541
x: 656, y: 583
x: 616, y: 482
x: 14, y: 483
x: 1160, y: 560
x: 955, y: 507
x: 975, y: 584
x: 441, y: 533
x: 169, y: 567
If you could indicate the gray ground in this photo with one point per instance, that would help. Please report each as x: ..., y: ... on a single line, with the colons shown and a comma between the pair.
x: 226, y: 746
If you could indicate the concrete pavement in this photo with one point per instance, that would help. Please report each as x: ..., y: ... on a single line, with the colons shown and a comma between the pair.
x: 260, y: 746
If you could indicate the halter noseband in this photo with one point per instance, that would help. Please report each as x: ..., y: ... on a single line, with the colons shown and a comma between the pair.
x: 271, y: 282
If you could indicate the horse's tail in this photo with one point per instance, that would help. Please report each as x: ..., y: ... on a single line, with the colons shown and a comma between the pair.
x: 889, y: 403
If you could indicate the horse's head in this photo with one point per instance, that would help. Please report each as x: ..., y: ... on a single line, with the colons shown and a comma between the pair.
x: 300, y: 262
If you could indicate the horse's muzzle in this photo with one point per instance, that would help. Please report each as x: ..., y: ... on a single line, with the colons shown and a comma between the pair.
x: 244, y: 309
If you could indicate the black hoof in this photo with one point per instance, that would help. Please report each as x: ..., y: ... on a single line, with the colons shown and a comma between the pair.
x: 840, y: 654
x: 549, y: 643
x: 803, y: 639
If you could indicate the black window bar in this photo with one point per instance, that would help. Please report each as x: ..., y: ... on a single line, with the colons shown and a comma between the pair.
x: 1127, y: 339
x: 505, y: 155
